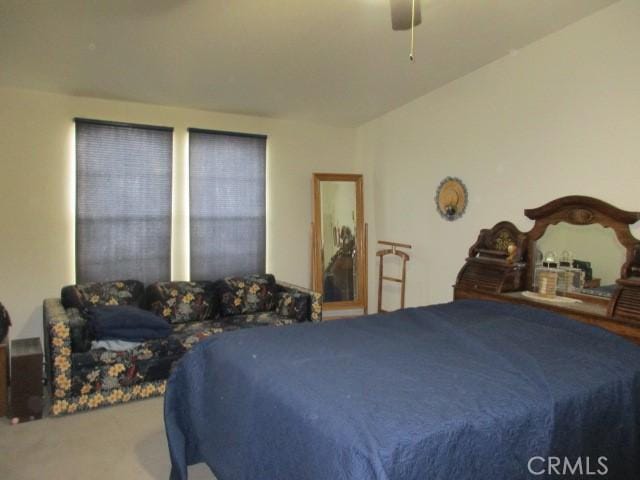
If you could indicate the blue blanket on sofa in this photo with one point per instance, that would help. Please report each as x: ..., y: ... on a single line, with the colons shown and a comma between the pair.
x: 467, y: 390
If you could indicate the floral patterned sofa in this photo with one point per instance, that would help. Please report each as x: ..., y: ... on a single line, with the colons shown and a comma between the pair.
x: 82, y: 378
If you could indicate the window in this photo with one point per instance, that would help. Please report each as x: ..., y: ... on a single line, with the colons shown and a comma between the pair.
x: 227, y: 203
x: 123, y: 213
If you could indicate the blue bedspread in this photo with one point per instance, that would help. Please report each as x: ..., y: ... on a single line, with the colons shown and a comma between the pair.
x: 467, y: 390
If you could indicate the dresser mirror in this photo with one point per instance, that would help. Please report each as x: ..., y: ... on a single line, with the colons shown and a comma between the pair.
x: 547, y: 266
x: 338, y: 246
x: 587, y: 240
x: 592, y: 252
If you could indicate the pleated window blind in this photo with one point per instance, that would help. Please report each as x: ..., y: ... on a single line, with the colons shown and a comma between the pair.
x: 227, y: 203
x: 123, y: 213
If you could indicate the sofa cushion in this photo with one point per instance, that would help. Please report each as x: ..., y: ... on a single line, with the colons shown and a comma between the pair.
x: 293, y: 305
x: 179, y: 302
x: 83, y: 296
x: 123, y: 322
x: 249, y: 294
x: 101, y: 370
x: 260, y: 319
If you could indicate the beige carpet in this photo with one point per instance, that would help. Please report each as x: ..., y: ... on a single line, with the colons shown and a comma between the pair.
x: 122, y: 442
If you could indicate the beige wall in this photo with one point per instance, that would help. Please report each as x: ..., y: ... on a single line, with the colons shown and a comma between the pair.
x: 37, y: 189
x: 560, y: 117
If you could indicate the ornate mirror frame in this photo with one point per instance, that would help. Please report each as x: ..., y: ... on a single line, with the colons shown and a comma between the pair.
x: 317, y: 269
x: 581, y: 210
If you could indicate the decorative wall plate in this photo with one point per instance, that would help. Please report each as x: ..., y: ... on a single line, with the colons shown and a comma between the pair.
x: 451, y: 198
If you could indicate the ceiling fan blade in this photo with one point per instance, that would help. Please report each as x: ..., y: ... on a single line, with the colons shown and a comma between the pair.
x: 401, y: 14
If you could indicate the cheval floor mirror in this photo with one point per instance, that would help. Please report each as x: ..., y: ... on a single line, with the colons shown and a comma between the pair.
x: 339, y: 244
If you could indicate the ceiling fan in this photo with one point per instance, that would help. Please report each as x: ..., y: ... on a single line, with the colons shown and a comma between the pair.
x: 405, y: 15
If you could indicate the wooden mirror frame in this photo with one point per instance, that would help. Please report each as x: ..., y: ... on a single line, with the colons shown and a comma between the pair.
x: 581, y: 210
x: 317, y: 270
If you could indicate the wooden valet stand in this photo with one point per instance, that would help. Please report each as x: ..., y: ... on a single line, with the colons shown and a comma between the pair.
x: 382, y: 277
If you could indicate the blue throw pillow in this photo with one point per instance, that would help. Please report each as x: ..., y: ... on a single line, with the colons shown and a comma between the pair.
x: 126, y: 323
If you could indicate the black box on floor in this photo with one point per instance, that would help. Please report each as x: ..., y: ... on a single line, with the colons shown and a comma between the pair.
x: 26, y: 379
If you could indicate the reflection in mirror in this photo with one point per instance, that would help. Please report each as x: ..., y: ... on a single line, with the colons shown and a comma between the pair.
x: 589, y: 257
x: 338, y: 227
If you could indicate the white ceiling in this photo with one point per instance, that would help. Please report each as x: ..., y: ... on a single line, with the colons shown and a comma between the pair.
x: 329, y: 61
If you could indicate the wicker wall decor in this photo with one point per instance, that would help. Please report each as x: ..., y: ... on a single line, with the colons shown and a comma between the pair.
x: 451, y: 198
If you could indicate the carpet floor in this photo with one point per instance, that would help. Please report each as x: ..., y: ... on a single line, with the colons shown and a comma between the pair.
x: 122, y: 442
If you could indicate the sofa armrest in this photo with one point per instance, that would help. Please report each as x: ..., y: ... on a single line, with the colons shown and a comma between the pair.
x: 315, y: 299
x: 57, y: 338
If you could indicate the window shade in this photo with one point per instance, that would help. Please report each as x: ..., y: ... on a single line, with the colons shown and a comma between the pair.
x: 227, y: 204
x: 123, y: 213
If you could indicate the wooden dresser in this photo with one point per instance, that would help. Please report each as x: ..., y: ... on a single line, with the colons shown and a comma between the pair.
x: 501, y: 265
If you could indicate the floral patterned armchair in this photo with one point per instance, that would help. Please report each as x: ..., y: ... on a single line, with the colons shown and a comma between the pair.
x: 82, y: 378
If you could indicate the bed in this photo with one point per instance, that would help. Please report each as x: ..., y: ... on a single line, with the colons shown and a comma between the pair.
x: 467, y: 390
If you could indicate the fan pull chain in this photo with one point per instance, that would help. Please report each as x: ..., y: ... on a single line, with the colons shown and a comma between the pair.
x: 413, y: 18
